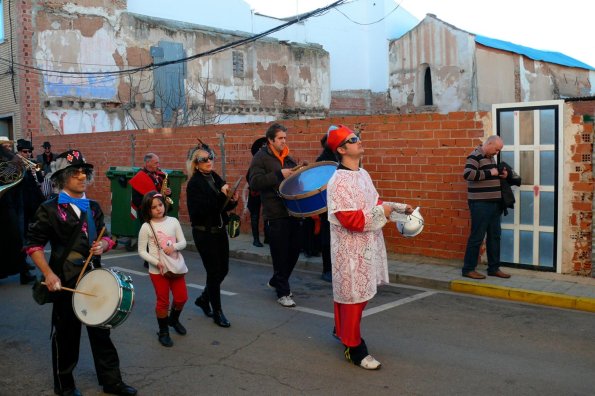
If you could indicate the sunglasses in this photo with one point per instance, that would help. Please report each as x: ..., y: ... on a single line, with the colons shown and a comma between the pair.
x: 26, y: 151
x: 88, y: 172
x: 204, y: 160
x: 352, y: 140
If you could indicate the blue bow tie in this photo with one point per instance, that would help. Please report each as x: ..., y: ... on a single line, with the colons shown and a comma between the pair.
x: 81, y: 203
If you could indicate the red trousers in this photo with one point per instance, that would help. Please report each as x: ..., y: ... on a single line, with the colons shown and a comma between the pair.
x: 162, y: 287
x: 347, y: 322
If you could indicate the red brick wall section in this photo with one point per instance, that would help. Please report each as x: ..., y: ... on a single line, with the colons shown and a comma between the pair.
x: 29, y: 81
x: 416, y: 159
x: 581, y: 184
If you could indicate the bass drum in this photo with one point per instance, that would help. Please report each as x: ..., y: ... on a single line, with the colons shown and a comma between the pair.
x: 304, y: 192
x: 112, y: 301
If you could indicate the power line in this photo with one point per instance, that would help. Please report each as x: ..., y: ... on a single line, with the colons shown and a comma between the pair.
x: 153, y: 66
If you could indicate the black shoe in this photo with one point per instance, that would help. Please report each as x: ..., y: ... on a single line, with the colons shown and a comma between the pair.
x: 26, y: 278
x: 69, y: 392
x: 204, y: 305
x: 220, y: 319
x: 164, y: 340
x: 119, y: 389
x: 178, y: 327
x: 257, y: 243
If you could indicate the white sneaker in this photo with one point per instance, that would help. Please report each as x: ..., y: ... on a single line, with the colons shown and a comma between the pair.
x: 286, y: 301
x: 369, y: 363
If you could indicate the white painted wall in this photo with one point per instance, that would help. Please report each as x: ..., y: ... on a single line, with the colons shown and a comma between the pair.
x: 358, y: 53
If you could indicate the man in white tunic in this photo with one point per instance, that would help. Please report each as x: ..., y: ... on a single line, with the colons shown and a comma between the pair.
x: 356, y: 215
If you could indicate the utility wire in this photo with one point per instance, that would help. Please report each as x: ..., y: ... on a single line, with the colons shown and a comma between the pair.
x: 153, y: 66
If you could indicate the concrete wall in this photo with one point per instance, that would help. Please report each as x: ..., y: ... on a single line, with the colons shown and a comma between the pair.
x: 504, y: 77
x: 280, y: 80
x: 448, y: 52
x: 468, y: 77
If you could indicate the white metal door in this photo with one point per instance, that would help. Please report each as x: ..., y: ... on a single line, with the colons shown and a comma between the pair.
x: 531, y: 135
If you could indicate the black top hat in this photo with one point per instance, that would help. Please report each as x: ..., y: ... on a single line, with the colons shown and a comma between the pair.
x: 46, y: 145
x: 70, y: 159
x: 23, y: 144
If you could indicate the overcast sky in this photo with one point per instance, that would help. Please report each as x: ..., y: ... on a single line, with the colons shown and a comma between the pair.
x: 564, y: 26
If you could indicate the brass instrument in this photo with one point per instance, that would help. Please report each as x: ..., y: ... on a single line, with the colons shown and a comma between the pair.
x: 163, y: 189
x: 30, y: 165
x: 11, y: 173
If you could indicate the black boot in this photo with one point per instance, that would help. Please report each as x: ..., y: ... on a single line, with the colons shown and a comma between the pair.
x: 203, y: 303
x: 174, y: 321
x: 220, y: 319
x: 163, y: 333
x: 254, y: 224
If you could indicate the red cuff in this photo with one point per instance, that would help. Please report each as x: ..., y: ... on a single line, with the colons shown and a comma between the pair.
x: 353, y: 220
x: 32, y: 249
x: 110, y: 243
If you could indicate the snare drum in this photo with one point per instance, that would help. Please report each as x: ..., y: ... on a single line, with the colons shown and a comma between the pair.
x: 113, y: 301
x: 304, y: 192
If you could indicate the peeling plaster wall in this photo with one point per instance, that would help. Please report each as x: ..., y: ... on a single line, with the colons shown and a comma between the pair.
x: 449, y: 53
x: 279, y: 79
x: 504, y: 77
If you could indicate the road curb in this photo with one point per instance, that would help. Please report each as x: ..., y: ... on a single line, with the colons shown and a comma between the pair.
x: 529, y: 296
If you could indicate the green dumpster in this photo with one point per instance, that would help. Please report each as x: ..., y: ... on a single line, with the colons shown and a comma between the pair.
x: 123, y: 221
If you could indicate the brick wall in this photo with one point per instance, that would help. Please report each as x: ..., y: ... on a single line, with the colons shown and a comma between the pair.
x: 417, y: 159
x: 29, y: 81
x: 579, y: 135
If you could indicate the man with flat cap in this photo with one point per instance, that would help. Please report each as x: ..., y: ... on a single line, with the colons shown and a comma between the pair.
x: 70, y: 222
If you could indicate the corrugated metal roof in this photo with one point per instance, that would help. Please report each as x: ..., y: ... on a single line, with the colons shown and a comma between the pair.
x: 546, y: 56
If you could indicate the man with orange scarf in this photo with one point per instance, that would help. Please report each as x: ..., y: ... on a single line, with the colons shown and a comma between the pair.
x: 270, y: 166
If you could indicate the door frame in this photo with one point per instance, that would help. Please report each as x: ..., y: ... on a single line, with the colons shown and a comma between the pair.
x: 558, y: 105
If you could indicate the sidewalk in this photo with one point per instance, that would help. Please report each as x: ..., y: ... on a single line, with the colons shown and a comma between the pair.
x: 563, y: 291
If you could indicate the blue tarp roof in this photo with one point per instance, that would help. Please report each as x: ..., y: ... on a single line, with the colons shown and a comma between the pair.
x: 546, y: 56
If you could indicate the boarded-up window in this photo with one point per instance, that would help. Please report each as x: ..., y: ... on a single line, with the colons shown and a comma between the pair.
x: 238, y: 64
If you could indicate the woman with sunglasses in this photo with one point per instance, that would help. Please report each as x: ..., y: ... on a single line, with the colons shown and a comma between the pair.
x: 206, y: 196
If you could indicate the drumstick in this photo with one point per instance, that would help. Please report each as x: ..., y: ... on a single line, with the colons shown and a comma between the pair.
x: 295, y: 168
x: 74, y: 290
x: 90, y: 255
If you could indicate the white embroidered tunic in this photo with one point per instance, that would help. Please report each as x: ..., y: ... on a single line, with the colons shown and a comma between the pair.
x: 359, y: 258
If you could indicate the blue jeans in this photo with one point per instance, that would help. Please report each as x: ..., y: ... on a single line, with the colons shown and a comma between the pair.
x: 485, y: 219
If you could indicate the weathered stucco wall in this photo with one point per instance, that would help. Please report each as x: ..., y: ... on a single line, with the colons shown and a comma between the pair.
x: 470, y: 76
x: 448, y: 52
x: 270, y: 79
x: 505, y: 77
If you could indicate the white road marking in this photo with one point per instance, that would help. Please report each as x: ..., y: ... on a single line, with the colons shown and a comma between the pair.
x: 393, y: 304
x: 117, y: 256
x: 195, y: 286
x: 374, y: 310
x: 192, y: 285
x: 315, y: 312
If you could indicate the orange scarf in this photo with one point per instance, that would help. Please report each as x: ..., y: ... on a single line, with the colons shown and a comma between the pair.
x: 280, y: 156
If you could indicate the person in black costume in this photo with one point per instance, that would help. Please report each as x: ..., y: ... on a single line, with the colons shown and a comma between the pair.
x: 208, y: 204
x: 254, y: 198
x: 70, y: 223
x: 10, y: 240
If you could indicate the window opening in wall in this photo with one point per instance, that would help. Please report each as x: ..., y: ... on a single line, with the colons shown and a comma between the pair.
x: 238, y: 63
x: 428, y: 100
x: 6, y: 127
x: 1, y: 21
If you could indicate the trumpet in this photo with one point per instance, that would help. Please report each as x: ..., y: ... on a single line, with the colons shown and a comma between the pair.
x: 30, y: 165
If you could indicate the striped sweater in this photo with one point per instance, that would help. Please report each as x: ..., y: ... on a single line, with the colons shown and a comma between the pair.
x: 481, y: 185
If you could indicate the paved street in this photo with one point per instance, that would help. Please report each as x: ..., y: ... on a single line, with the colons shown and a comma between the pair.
x: 430, y: 342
